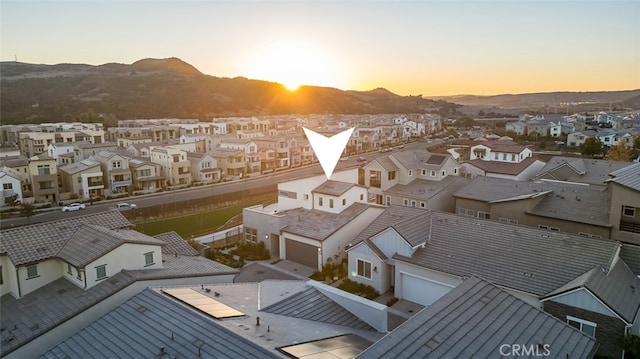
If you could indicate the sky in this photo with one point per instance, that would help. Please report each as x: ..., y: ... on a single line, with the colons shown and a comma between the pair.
x: 429, y: 48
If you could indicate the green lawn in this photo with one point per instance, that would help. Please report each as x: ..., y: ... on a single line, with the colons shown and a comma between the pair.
x: 196, y: 224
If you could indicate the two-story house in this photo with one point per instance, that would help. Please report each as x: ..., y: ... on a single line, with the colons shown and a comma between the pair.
x: 174, y: 165
x: 44, y: 178
x: 116, y: 172
x: 146, y: 175
x: 231, y: 162
x: 624, y: 210
x: 250, y: 149
x: 83, y: 179
x: 204, y: 168
x: 11, y: 182
x: 501, y: 158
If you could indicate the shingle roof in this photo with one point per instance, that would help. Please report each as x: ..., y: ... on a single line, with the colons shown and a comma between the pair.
x: 507, y: 168
x: 41, y: 241
x: 472, y: 321
x: 318, y: 224
x: 89, y: 242
x: 333, y: 188
x: 523, y: 258
x: 582, y: 170
x: 618, y: 288
x: 311, y: 304
x: 149, y: 321
x: 175, y: 244
x: 628, y: 176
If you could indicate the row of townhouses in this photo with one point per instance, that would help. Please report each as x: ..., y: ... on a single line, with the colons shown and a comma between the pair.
x: 81, y: 161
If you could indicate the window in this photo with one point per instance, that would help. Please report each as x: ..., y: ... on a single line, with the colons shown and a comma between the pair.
x: 32, y: 271
x: 466, y: 212
x: 306, y: 197
x: 432, y: 173
x: 364, y: 269
x: 554, y: 229
x: 423, y: 205
x: 148, y: 259
x: 410, y: 173
x: 1, y: 280
x: 361, y: 197
x: 483, y: 215
x: 628, y: 211
x: 344, y: 201
x: 455, y: 171
x: 330, y: 203
x: 443, y: 173
x: 388, y: 200
x: 43, y: 170
x: 413, y: 203
x: 116, y: 164
x: 582, y: 325
x: 391, y: 175
x: 320, y: 201
x: 250, y: 234
x: 405, y: 202
x: 7, y: 186
x: 69, y: 268
x: 423, y: 172
x: 101, y: 272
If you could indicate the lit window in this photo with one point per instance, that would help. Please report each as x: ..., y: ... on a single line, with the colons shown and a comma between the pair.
x: 32, y: 271
x: 101, y: 272
x: 364, y: 269
x: 584, y: 326
x: 148, y: 259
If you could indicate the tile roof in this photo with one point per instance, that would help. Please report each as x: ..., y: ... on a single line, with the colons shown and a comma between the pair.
x: 618, y: 288
x: 14, y: 161
x: 498, y: 167
x: 528, y: 259
x: 472, y: 321
x: 151, y: 325
x: 311, y: 304
x: 89, y: 242
x: 421, y: 188
x: 628, y: 176
x: 333, y: 188
x: 175, y: 244
x: 386, y: 163
x: 33, y: 243
x: 582, y: 170
x: 419, y: 159
x: 506, y: 146
x: 318, y: 224
x: 630, y: 253
x: 391, y: 215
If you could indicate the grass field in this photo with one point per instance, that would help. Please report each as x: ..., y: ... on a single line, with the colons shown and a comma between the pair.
x: 195, y: 224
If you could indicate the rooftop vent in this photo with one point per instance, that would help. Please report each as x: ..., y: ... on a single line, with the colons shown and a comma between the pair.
x: 432, y: 343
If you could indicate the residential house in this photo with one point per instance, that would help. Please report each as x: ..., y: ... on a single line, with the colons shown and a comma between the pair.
x: 21, y: 165
x: 283, y: 147
x: 579, y: 170
x: 80, y: 268
x: 142, y: 150
x: 493, y: 323
x: 87, y: 149
x: 203, y: 142
x: 219, y: 128
x: 63, y: 153
x: 250, y: 149
x: 128, y: 141
x: 11, y: 181
x: 83, y: 179
x: 518, y: 127
x: 231, y: 162
x: 425, y: 254
x: 146, y: 175
x: 624, y: 210
x: 174, y: 165
x: 204, y: 168
x: 44, y: 179
x: 116, y: 172
x: 578, y: 138
x: 501, y: 158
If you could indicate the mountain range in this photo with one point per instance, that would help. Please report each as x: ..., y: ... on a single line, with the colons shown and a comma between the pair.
x: 172, y: 88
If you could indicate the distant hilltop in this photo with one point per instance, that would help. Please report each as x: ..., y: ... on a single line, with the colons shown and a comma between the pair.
x: 153, y: 88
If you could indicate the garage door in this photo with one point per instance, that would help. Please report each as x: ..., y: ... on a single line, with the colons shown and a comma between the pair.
x: 421, y: 290
x: 302, y: 253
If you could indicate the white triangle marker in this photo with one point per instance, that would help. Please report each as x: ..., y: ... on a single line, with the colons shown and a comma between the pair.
x: 328, y: 149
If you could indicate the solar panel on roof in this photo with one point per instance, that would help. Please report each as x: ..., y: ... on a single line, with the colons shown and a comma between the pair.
x: 203, y: 303
x: 343, y: 346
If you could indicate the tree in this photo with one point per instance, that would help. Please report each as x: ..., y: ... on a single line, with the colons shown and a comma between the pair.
x: 619, y: 152
x: 636, y: 142
x: 591, y: 147
x: 27, y: 210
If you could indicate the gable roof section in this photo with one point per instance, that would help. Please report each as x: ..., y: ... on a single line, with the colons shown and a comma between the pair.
x: 590, y: 171
x: 527, y: 259
x: 499, y: 167
x: 333, y: 188
x: 311, y: 304
x: 492, y: 189
x: 472, y: 321
x: 89, y: 242
x: 386, y: 163
x: 419, y: 159
x: 390, y: 216
x: 320, y: 225
x: 575, y: 203
x: 618, y: 289
x: 628, y: 176
x: 33, y: 243
x: 421, y: 188
x: 630, y: 253
x: 150, y: 321
x: 175, y: 244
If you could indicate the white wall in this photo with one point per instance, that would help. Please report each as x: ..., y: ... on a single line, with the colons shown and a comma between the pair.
x: 377, y: 281
x: 306, y: 185
x: 444, y: 278
x: 48, y: 271
x: 126, y: 256
x: 338, y: 241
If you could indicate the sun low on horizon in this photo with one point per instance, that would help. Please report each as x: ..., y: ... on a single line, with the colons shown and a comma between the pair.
x: 294, y: 64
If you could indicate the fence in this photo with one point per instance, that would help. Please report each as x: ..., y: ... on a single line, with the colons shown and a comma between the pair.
x: 221, y: 238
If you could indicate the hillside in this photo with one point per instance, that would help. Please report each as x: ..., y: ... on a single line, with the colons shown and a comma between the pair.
x: 156, y: 88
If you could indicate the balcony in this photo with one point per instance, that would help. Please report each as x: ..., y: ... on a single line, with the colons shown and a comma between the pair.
x: 116, y: 184
x: 630, y: 227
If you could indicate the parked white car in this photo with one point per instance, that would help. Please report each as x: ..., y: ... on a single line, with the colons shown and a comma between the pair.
x: 73, y: 207
x: 126, y: 206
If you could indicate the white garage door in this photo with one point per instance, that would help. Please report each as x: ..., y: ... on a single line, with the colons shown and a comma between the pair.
x: 421, y: 290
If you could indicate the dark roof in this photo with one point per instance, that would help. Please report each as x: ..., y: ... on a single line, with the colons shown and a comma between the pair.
x: 391, y: 215
x: 472, y: 321
x: 582, y: 170
x: 318, y: 224
x: 528, y: 259
x: 89, y: 242
x: 333, y: 188
x: 259, y: 271
x: 420, y: 159
x: 499, y: 167
x: 175, y: 244
x: 628, y: 176
x: 311, y: 304
x: 426, y: 189
x: 36, y: 242
x: 630, y: 253
x: 14, y: 161
x: 618, y: 288
x: 150, y: 324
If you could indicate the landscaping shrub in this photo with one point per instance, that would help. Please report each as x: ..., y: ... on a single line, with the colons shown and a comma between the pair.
x: 252, y: 251
x: 359, y: 289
